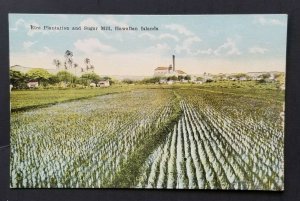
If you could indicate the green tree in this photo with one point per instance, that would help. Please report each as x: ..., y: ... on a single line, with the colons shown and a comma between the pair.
x: 65, y: 76
x: 240, y: 75
x: 111, y: 81
x: 40, y: 75
x: 265, y: 76
x: 106, y: 78
x: 150, y: 80
x: 18, y: 79
x: 88, y: 78
x: 128, y: 81
x: 200, y: 79
x: 53, y: 79
x: 188, y: 77
x: 280, y: 77
x: 174, y: 78
x: 219, y: 77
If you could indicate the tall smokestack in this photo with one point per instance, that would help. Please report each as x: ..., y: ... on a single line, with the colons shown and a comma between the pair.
x: 174, y: 63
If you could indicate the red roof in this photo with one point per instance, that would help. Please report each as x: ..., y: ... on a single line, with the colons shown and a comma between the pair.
x: 162, y: 68
x: 167, y: 68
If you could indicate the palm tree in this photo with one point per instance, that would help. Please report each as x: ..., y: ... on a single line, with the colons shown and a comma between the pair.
x: 68, y: 56
x: 70, y: 62
x: 92, y: 68
x: 57, y: 63
x: 75, y: 66
x: 87, y: 62
x: 65, y: 65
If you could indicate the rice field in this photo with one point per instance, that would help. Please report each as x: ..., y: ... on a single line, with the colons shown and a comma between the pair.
x: 217, y: 146
x: 174, y: 137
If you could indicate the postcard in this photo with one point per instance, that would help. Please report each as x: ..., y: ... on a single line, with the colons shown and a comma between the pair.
x: 147, y: 101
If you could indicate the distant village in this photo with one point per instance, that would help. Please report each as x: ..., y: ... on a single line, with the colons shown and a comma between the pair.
x: 95, y: 81
x: 170, y: 74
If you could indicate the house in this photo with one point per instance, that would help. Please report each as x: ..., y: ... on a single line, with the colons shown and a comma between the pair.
x: 197, y: 82
x: 162, y: 71
x: 243, y: 79
x: 207, y: 77
x: 184, y: 81
x: 92, y: 85
x: 255, y: 75
x: 33, y: 84
x: 103, y: 83
x: 162, y: 81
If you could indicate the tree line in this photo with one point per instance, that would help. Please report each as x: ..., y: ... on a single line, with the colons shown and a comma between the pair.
x: 66, y: 76
x: 19, y: 80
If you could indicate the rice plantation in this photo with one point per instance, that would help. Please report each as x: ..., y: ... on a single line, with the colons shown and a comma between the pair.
x: 183, y: 137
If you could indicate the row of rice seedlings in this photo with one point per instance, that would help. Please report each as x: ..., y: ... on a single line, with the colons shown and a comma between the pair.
x: 263, y: 156
x: 216, y: 151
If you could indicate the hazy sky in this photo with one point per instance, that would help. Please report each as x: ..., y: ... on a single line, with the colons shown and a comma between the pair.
x: 201, y: 43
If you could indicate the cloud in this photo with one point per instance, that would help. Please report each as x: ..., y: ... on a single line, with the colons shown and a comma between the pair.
x: 158, y: 49
x: 147, y: 35
x: 18, y: 23
x: 209, y: 51
x: 89, y: 22
x: 268, y: 21
x: 91, y: 45
x: 228, y: 48
x: 28, y: 44
x: 189, y: 39
x: 163, y: 36
x: 187, y: 45
x: 21, y: 23
x: 111, y: 21
x: 257, y: 50
x: 161, y: 47
x: 48, y: 50
x: 168, y: 36
x: 180, y: 29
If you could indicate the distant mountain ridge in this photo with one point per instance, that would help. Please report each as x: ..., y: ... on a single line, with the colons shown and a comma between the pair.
x: 24, y: 69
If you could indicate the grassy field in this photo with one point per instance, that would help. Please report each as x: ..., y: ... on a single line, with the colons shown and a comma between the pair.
x: 211, y: 136
x: 26, y: 99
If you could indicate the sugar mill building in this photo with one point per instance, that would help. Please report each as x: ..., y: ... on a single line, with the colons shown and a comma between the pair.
x: 162, y: 71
